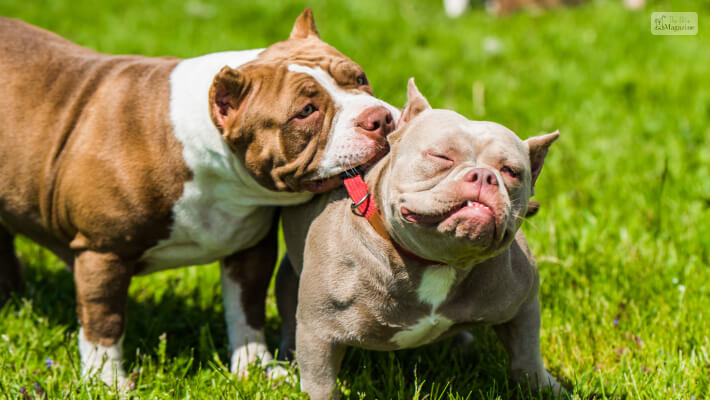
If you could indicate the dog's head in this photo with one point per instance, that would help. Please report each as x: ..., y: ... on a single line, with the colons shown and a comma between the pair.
x: 456, y: 190
x: 300, y: 113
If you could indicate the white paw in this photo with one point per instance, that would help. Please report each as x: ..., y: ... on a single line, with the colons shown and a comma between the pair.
x: 278, y: 372
x: 249, y: 353
x: 103, y: 361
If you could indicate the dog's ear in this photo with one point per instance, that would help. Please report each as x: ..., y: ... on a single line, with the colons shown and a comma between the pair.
x: 228, y: 94
x: 533, y: 208
x: 304, y: 26
x: 538, y: 146
x: 416, y: 103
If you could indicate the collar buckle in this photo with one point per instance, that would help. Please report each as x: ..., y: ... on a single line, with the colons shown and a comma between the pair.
x: 355, y: 205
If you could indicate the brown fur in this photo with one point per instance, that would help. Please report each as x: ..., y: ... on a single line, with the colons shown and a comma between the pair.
x: 239, y: 96
x: 252, y: 269
x: 111, y: 134
x: 91, y: 168
x: 102, y: 281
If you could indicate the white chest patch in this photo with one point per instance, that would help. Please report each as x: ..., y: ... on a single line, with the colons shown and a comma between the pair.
x: 434, y: 288
x: 223, y: 209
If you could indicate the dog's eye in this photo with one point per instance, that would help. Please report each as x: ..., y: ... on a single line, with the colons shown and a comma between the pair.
x: 361, y: 80
x: 441, y: 157
x: 307, y: 110
x: 510, y: 171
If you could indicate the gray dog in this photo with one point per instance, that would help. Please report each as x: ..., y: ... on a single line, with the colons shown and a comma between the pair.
x: 444, y: 253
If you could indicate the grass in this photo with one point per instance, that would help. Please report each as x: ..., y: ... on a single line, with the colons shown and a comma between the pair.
x: 622, y: 239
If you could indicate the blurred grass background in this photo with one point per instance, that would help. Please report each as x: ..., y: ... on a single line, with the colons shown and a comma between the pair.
x: 622, y: 239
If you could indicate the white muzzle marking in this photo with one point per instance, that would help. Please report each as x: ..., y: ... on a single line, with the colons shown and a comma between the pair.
x: 347, y: 148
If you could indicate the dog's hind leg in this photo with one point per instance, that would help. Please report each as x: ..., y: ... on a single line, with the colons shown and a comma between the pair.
x: 287, y: 302
x: 11, y: 279
x: 245, y: 281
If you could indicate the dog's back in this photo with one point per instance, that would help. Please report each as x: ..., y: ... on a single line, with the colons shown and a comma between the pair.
x: 65, y: 108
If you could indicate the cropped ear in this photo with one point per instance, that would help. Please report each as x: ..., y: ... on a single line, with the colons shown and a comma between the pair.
x: 227, y: 96
x: 304, y: 26
x: 538, y: 146
x: 416, y: 103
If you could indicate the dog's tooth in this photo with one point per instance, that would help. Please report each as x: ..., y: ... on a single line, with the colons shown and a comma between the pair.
x: 469, y: 203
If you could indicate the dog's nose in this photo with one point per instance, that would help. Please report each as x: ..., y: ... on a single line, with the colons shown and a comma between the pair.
x: 376, y: 121
x: 481, y: 176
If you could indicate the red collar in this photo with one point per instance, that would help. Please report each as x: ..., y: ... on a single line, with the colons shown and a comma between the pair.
x: 364, y: 205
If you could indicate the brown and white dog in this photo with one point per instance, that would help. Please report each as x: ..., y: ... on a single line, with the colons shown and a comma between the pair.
x: 125, y: 165
x: 446, y: 254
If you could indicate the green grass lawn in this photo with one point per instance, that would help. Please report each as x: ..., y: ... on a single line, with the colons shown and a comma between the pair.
x: 622, y: 238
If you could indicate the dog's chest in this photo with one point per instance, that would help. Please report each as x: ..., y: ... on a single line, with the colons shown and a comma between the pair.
x: 205, y: 229
x: 435, y: 286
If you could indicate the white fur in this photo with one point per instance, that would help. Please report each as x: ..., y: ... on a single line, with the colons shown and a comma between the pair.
x: 222, y: 210
x: 246, y: 343
x: 434, y: 287
x: 346, y: 148
x: 101, y: 360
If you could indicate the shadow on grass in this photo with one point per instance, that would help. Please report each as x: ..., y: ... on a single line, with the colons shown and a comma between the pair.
x: 192, y: 330
x: 438, y: 370
x: 443, y: 370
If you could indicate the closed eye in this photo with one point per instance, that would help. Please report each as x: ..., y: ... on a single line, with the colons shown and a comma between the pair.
x: 441, y: 158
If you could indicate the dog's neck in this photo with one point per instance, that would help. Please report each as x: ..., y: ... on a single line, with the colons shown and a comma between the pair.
x: 367, y: 203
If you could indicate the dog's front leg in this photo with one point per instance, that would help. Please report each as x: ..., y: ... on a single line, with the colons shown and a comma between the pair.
x: 102, y: 281
x: 319, y: 362
x: 245, y: 282
x: 521, y: 339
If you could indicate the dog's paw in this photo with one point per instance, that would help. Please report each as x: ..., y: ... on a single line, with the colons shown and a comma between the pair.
x: 104, y: 362
x: 247, y: 354
x: 280, y: 373
x: 549, y: 383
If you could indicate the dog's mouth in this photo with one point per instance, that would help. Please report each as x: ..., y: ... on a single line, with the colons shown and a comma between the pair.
x: 468, y: 206
x: 471, y: 220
